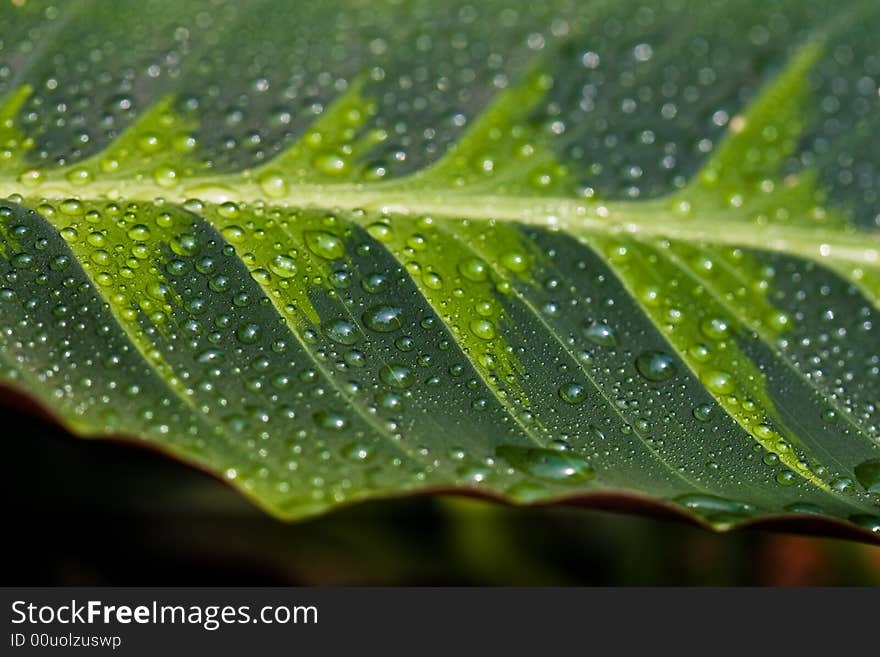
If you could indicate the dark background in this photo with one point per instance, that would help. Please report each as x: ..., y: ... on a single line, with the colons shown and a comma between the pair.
x: 97, y: 512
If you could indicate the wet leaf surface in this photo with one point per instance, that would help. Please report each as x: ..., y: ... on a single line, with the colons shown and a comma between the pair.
x: 536, y: 253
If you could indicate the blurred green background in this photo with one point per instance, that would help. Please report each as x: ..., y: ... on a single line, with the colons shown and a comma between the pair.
x: 94, y: 512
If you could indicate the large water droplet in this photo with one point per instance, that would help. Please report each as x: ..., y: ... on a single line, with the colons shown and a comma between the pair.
x: 547, y: 464
x: 715, y: 328
x: 786, y: 478
x: 249, y: 333
x: 374, y: 283
x: 803, y: 507
x: 383, y: 319
x: 397, y: 376
x: 331, y: 164
x: 704, y: 412
x: 868, y: 474
x: 474, y: 269
x: 282, y: 266
x: 326, y: 245
x: 719, y: 382
x: 514, y: 261
x: 139, y: 233
x: 483, y: 329
x: 331, y: 420
x: 341, y: 331
x: 601, y: 334
x: 357, y: 452
x: 233, y: 234
x: 655, y: 365
x: 573, y: 393
x: 273, y: 185
x: 716, y: 509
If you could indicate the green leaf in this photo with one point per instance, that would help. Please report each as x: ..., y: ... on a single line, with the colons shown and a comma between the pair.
x: 595, y: 253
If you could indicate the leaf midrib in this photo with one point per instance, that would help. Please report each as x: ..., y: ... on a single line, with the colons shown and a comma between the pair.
x: 650, y: 218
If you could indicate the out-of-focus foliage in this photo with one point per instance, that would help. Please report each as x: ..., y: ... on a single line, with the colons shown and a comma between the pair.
x: 104, y: 513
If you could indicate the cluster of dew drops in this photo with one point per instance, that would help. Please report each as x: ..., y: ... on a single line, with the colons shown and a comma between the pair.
x: 255, y: 124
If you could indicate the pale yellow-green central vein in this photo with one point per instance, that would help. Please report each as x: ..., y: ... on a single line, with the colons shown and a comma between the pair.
x: 860, y: 248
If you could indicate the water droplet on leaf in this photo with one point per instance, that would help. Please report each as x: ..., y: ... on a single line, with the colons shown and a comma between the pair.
x: 656, y: 365
x: 384, y: 319
x: 547, y: 464
x: 601, y: 334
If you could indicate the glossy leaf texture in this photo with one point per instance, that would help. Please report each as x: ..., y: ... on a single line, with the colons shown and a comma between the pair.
x: 537, y: 251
